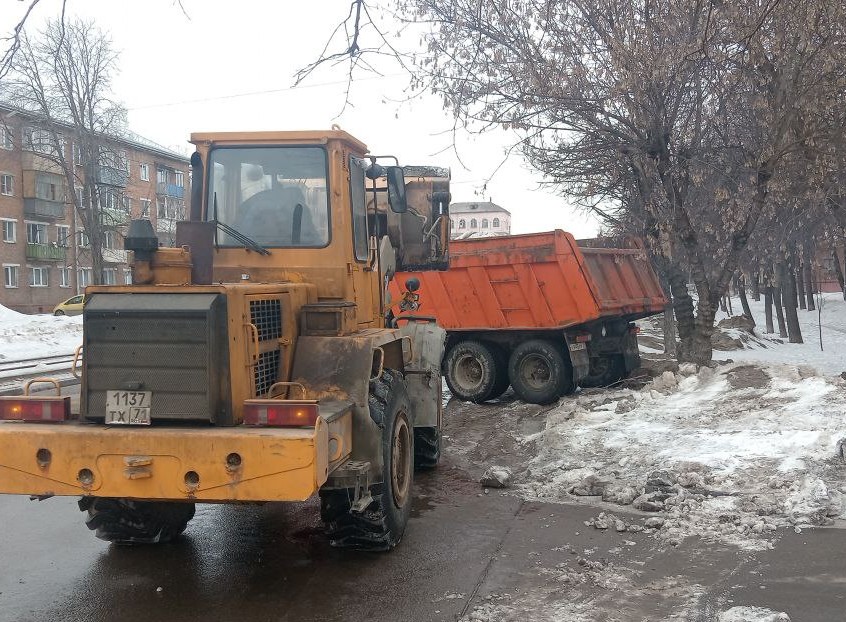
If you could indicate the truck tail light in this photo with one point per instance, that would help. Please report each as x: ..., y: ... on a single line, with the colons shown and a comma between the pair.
x: 280, y: 413
x: 48, y: 409
x: 583, y: 338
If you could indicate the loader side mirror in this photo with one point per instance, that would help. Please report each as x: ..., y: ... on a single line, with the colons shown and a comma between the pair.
x: 396, y: 190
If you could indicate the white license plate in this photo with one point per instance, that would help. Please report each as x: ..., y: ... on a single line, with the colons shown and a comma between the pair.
x: 128, y: 407
x: 575, y: 347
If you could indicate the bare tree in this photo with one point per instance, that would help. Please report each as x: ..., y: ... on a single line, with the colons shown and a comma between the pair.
x: 62, y: 77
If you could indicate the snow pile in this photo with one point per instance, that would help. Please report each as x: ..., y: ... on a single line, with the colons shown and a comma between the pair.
x: 729, y: 454
x: 30, y: 336
x: 752, y: 614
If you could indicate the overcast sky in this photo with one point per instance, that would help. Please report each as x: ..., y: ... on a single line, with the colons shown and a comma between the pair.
x: 230, y: 66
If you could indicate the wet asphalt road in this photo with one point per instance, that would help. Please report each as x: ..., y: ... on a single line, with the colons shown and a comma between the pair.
x: 462, y: 550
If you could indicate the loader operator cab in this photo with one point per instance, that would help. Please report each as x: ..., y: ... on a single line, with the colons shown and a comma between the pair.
x: 275, y: 196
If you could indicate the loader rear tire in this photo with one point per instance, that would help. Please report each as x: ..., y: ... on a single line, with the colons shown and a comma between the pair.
x: 470, y: 371
x: 128, y: 522
x: 381, y: 525
x: 427, y: 448
x: 539, y: 372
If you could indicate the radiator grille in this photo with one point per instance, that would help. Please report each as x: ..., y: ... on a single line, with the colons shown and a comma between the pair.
x: 266, y: 315
x: 267, y: 371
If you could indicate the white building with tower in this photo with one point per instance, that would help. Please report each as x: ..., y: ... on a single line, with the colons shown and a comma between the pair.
x: 478, y: 219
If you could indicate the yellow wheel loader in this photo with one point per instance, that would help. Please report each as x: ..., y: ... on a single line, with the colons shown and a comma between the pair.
x: 254, y: 361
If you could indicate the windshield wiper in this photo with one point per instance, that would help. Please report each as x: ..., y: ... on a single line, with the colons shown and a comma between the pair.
x: 241, y: 238
x: 237, y: 235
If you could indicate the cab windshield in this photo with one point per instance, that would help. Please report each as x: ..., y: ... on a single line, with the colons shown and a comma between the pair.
x: 275, y: 196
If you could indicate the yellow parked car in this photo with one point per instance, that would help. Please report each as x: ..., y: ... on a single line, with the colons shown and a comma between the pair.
x: 71, y: 306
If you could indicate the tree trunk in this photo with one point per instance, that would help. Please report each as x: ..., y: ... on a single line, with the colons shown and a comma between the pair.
x: 728, y: 302
x: 809, y: 275
x: 701, y: 351
x: 778, y: 299
x: 793, y: 330
x: 683, y: 309
x: 755, y: 286
x: 669, y: 331
x: 838, y: 270
x: 800, y: 285
x: 741, y: 291
x: 768, y: 309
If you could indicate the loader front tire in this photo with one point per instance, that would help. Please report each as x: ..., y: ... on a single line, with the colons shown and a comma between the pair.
x: 128, y: 522
x: 382, y: 523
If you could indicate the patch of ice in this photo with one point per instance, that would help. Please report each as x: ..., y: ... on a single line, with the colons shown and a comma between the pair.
x: 752, y: 614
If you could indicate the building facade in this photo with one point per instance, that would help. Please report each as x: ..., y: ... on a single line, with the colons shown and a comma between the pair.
x: 44, y: 250
x: 478, y: 219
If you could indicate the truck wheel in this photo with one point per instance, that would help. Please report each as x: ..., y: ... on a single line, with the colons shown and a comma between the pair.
x: 604, y: 370
x: 381, y: 525
x: 427, y: 447
x: 502, y: 382
x: 470, y: 371
x: 539, y: 372
x: 123, y: 521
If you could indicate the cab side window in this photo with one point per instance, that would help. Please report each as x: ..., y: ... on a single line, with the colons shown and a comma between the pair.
x: 359, y: 209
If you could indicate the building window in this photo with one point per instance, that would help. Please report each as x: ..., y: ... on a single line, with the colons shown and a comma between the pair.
x: 161, y: 207
x: 127, y: 205
x: 462, y: 224
x: 127, y: 277
x: 161, y: 176
x: 9, y: 231
x: 42, y: 141
x: 496, y: 223
x: 108, y: 239
x: 145, y: 208
x: 109, y: 276
x: 62, y: 235
x: 80, y: 199
x: 36, y: 233
x: 484, y: 223
x: 64, y: 277
x: 7, y: 140
x: 46, y: 188
x: 7, y: 185
x: 82, y: 239
x: 179, y: 178
x: 77, y: 154
x: 84, y: 277
x: 473, y: 223
x: 38, y: 277
x: 145, y: 172
x: 10, y: 274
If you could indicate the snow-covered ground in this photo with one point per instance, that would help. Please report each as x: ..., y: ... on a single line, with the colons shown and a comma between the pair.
x: 730, y: 453
x: 32, y: 336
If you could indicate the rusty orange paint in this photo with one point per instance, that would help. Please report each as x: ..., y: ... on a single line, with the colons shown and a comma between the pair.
x: 532, y: 281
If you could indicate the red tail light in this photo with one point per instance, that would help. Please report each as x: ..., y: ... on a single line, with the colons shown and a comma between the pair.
x: 35, y: 408
x: 280, y: 413
x: 583, y: 338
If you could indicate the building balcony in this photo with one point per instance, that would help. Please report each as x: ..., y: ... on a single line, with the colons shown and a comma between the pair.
x: 111, y: 176
x: 42, y: 208
x: 33, y: 161
x: 45, y: 252
x: 114, y: 255
x: 171, y: 190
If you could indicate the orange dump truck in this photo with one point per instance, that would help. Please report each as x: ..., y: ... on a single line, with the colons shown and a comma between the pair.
x: 542, y: 312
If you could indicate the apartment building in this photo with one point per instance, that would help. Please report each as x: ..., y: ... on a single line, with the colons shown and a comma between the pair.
x: 44, y: 251
x: 478, y: 219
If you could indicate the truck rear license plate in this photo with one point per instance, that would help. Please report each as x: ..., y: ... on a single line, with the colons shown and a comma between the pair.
x: 128, y: 407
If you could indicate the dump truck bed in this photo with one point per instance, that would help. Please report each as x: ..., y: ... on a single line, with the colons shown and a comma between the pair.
x: 537, y: 281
